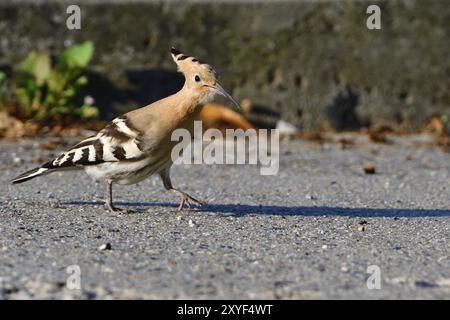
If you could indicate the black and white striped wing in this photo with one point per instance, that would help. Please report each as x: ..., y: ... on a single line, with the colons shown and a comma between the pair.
x: 118, y: 141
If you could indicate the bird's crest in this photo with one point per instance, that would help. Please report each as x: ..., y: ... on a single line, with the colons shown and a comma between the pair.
x: 201, y: 78
x: 187, y: 64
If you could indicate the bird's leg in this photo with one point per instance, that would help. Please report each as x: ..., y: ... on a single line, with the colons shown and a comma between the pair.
x: 185, y: 198
x: 108, y: 200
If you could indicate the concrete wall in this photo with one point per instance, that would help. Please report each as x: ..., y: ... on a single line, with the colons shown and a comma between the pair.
x: 314, y: 63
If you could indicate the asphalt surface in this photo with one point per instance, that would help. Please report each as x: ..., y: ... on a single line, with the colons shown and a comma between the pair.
x: 309, y: 232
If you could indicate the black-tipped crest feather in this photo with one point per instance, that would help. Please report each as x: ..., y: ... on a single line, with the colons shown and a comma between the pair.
x: 175, y: 51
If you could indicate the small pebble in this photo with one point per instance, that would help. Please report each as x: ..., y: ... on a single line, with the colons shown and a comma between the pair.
x: 443, y: 282
x: 105, y: 246
x: 344, y: 269
x: 191, y: 223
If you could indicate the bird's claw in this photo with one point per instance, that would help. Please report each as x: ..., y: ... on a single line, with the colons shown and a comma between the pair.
x: 187, y: 200
x: 113, y: 208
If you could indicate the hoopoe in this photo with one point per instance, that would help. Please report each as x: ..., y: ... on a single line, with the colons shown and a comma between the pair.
x: 138, y: 144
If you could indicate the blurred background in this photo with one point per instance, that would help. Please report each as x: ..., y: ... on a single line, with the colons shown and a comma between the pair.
x: 313, y: 64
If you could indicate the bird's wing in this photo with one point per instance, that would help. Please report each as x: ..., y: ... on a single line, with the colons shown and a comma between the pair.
x: 118, y: 141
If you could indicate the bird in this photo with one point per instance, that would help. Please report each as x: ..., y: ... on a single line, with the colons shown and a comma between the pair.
x: 138, y: 144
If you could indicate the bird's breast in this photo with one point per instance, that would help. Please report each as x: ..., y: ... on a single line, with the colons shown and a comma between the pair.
x: 128, y: 172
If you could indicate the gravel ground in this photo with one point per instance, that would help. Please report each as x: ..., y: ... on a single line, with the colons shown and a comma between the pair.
x: 309, y: 232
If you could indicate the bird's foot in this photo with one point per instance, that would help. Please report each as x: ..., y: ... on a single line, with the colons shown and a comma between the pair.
x: 113, y: 208
x: 187, y: 200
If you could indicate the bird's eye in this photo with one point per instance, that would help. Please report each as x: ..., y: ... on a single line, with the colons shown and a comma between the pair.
x: 197, y: 78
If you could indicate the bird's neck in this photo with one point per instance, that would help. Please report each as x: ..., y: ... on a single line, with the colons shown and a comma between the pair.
x: 190, y: 102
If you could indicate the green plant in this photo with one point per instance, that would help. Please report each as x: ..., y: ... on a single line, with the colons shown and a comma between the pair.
x: 47, y: 92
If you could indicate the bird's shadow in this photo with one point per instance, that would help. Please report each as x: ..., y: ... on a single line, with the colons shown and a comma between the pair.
x: 240, y: 210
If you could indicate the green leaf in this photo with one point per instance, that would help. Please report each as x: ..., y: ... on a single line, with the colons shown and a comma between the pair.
x: 56, y: 81
x: 2, y: 86
x: 69, y: 93
x: 23, y: 97
x: 78, y: 55
x: 89, y: 112
x: 83, y: 80
x: 38, y: 65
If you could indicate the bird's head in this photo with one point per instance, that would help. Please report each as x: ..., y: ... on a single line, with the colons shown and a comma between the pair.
x: 201, y: 78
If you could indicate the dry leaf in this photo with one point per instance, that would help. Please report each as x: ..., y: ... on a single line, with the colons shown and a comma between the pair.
x: 435, y: 125
x: 215, y: 115
x: 369, y: 168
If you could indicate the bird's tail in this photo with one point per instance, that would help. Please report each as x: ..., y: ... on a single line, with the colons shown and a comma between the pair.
x: 44, y: 169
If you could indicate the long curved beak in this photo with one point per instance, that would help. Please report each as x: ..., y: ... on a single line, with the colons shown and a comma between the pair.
x: 218, y: 88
